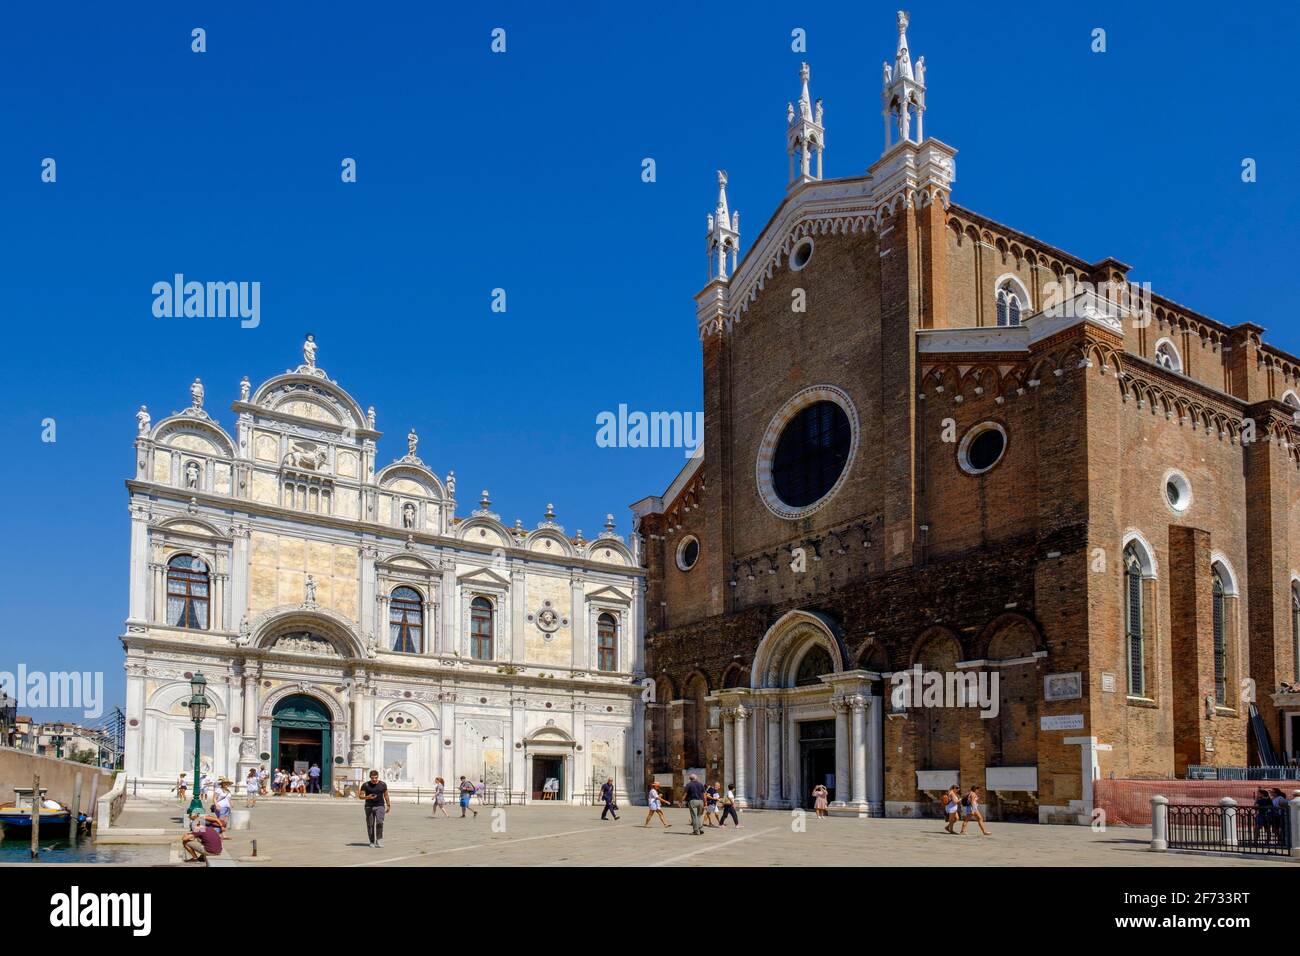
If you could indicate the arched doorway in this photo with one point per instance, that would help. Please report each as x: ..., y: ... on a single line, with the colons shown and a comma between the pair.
x: 300, y: 736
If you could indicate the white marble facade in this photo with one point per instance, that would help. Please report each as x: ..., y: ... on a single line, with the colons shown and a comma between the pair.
x: 277, y: 559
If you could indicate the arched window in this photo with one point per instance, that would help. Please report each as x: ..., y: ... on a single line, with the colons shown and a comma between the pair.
x: 1220, y: 643
x: 606, y: 643
x: 813, y: 664
x: 1167, y: 356
x: 480, y: 629
x: 1011, y: 303
x: 187, y: 592
x: 1133, y: 622
x: 406, y: 621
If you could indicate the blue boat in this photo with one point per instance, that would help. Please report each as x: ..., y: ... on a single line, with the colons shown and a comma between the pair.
x: 17, y: 816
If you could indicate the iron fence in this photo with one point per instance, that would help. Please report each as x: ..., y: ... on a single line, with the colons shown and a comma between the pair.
x: 1277, y: 772
x: 1254, y: 831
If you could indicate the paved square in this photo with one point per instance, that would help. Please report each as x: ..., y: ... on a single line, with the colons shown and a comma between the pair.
x: 332, y: 833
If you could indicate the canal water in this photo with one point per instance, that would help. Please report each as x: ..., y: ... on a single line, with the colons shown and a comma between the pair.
x: 62, y: 849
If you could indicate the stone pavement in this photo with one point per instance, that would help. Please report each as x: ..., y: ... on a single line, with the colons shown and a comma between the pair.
x: 332, y: 833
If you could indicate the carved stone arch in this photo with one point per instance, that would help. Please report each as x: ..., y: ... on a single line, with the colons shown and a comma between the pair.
x: 493, y: 532
x: 542, y: 535
x: 786, y: 642
x: 597, y: 545
x: 166, y: 698
x: 177, y: 425
x: 418, y: 473
x: 406, y: 562
x: 329, y: 624
x: 312, y: 689
x: 548, y: 734
x: 426, y: 713
x: 280, y: 389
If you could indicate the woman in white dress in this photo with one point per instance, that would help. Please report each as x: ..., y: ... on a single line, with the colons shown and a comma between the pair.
x: 440, y: 797
x: 655, y: 802
x: 251, y: 786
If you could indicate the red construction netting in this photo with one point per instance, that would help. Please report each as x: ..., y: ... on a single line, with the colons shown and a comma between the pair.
x: 1128, y: 802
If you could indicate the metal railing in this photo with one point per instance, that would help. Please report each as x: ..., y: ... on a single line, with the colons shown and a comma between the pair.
x: 1278, y: 772
x: 1227, y: 828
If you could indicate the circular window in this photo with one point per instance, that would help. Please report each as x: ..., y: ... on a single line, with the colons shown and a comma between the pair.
x: 982, y: 448
x: 688, y: 552
x: 1178, y: 491
x: 801, y: 253
x: 806, y: 451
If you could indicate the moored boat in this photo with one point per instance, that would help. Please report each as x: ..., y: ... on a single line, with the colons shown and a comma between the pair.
x: 17, y: 815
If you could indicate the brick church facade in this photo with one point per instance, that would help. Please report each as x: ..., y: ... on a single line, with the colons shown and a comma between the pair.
x: 933, y: 441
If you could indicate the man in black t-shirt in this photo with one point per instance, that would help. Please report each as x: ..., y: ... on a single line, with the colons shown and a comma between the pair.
x: 375, y: 793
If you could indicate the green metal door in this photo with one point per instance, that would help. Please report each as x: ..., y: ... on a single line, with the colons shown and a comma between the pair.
x: 300, y: 712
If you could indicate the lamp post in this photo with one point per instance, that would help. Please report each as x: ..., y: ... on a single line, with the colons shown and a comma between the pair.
x: 56, y: 738
x: 198, y: 710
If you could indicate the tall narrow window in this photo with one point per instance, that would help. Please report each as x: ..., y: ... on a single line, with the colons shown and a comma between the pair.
x: 406, y: 621
x: 1010, y: 305
x: 480, y: 629
x: 187, y: 592
x: 1220, y: 645
x: 606, y: 643
x: 1295, y: 630
x: 1133, y: 623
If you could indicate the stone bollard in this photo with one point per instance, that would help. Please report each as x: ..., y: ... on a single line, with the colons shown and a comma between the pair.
x: 240, y: 819
x: 1159, y: 823
x: 1293, y: 808
x: 1229, y: 821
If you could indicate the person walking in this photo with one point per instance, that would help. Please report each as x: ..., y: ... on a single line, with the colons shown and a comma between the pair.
x: 314, y: 776
x: 375, y: 793
x: 950, y: 805
x: 181, y: 788
x: 729, y: 807
x: 712, y: 794
x: 655, y: 802
x: 695, y: 803
x: 819, y: 795
x: 221, y: 802
x: 466, y: 792
x: 251, y: 787
x: 607, y: 795
x: 440, y: 797
x: 971, y: 811
x: 262, y: 777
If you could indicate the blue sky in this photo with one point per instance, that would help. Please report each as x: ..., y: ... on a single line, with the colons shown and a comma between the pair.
x: 522, y: 171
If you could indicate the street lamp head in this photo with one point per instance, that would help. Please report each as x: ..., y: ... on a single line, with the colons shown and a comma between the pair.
x: 198, y: 708
x: 198, y: 684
